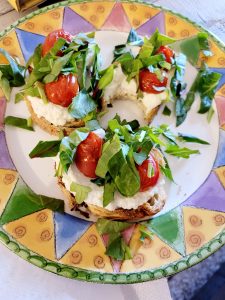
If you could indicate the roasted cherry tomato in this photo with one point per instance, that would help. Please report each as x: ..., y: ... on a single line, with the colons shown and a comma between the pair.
x: 88, y: 153
x: 52, y: 38
x: 150, y: 83
x: 168, y: 52
x: 147, y: 182
x: 63, y: 90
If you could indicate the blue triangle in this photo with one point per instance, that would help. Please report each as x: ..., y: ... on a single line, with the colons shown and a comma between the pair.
x: 220, y: 157
x: 222, y: 79
x: 68, y: 230
x: 28, y: 42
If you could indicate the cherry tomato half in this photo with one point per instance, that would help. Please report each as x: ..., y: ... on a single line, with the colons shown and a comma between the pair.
x: 149, y: 80
x: 63, y: 90
x: 52, y: 38
x: 147, y: 182
x: 168, y: 52
x: 88, y: 154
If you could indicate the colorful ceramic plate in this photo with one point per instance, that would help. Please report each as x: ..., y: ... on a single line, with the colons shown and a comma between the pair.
x: 190, y: 228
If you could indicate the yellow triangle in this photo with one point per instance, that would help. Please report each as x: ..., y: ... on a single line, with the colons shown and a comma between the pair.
x: 178, y: 28
x: 11, y: 44
x: 44, y: 23
x: 88, y: 253
x: 36, y: 232
x: 96, y: 12
x: 149, y: 254
x: 8, y: 180
x: 220, y: 172
x: 218, y: 58
x: 138, y: 14
x: 201, y: 226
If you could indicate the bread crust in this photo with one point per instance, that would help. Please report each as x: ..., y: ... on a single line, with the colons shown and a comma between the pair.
x: 49, y: 127
x: 144, y: 211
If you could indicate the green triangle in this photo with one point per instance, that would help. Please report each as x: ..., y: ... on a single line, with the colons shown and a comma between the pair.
x: 169, y: 227
x: 21, y: 203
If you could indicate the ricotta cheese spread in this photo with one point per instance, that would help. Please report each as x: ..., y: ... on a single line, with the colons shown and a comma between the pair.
x: 55, y: 114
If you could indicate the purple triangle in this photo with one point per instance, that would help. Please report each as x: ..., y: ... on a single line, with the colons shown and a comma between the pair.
x: 222, y: 79
x: 158, y: 21
x: 210, y: 195
x: 5, y: 159
x: 220, y: 157
x: 74, y: 23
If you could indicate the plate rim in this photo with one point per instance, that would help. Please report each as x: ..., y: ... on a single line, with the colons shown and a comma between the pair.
x: 101, y: 277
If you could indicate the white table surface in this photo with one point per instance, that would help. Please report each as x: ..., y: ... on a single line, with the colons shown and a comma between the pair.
x: 22, y: 281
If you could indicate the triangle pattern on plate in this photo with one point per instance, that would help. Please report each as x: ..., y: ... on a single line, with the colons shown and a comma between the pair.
x: 88, y: 253
x: 148, y: 254
x: 117, y: 20
x: 8, y: 180
x: 36, y: 232
x: 222, y: 79
x: 201, y: 226
x: 210, y: 195
x: 23, y: 201
x: 220, y: 104
x: 220, y: 172
x: 5, y: 159
x: 95, y: 13
x: 169, y: 227
x: 44, y: 23
x: 217, y: 60
x: 11, y: 44
x: 158, y: 21
x: 220, y: 157
x: 138, y: 14
x: 68, y: 230
x: 177, y: 27
x: 28, y: 42
x: 74, y: 23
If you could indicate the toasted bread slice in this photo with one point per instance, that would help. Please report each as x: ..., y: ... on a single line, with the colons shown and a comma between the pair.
x: 49, y: 127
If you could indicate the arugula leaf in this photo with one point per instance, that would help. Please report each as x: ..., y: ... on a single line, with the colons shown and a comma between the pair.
x: 153, y: 60
x: 34, y: 60
x: 81, y: 191
x: 145, y: 232
x: 134, y: 39
x: 105, y: 226
x: 158, y: 39
x: 17, y: 122
x: 146, y: 50
x: 166, y: 111
x: 106, y: 78
x: 175, y: 150
x: 82, y: 105
x: 191, y: 139
x: 124, y: 58
x: 132, y: 68
x: 117, y: 248
x: 109, y: 190
x: 166, y: 171
x: 45, y: 149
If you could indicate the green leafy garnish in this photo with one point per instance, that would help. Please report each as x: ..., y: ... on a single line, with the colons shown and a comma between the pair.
x: 145, y: 232
x: 81, y: 191
x: 107, y: 226
x: 191, y: 139
x: 45, y: 149
x: 18, y: 122
x: 166, y: 111
x: 180, y: 152
x: 109, y: 190
x: 107, y: 77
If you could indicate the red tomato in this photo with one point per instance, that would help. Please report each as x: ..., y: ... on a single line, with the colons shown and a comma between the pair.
x: 52, y: 38
x: 88, y: 154
x: 149, y: 80
x: 147, y: 182
x: 168, y: 52
x: 63, y: 90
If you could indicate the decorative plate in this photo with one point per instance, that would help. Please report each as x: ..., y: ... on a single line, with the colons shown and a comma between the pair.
x: 189, y: 230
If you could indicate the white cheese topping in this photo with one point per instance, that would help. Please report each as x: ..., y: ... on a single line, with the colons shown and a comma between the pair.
x: 95, y: 197
x: 121, y: 88
x: 55, y: 114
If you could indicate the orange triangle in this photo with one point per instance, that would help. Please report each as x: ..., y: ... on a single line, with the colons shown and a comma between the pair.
x: 11, y: 44
x: 96, y: 13
x: 178, y: 28
x: 149, y: 254
x: 8, y: 180
x: 36, y: 232
x: 44, y: 23
x: 218, y: 58
x: 88, y: 253
x: 138, y: 14
x: 201, y: 226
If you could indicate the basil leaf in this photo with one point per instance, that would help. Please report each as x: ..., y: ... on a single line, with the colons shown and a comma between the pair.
x: 109, y: 190
x: 5, y: 86
x: 45, y: 149
x: 134, y: 39
x: 132, y: 68
x: 158, y: 39
x: 110, y: 149
x: 107, y: 77
x: 105, y: 226
x: 153, y: 60
x: 180, y: 152
x: 191, y: 139
x: 116, y: 248
x: 82, y: 105
x: 17, y: 122
x: 166, y: 111
x: 81, y: 191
